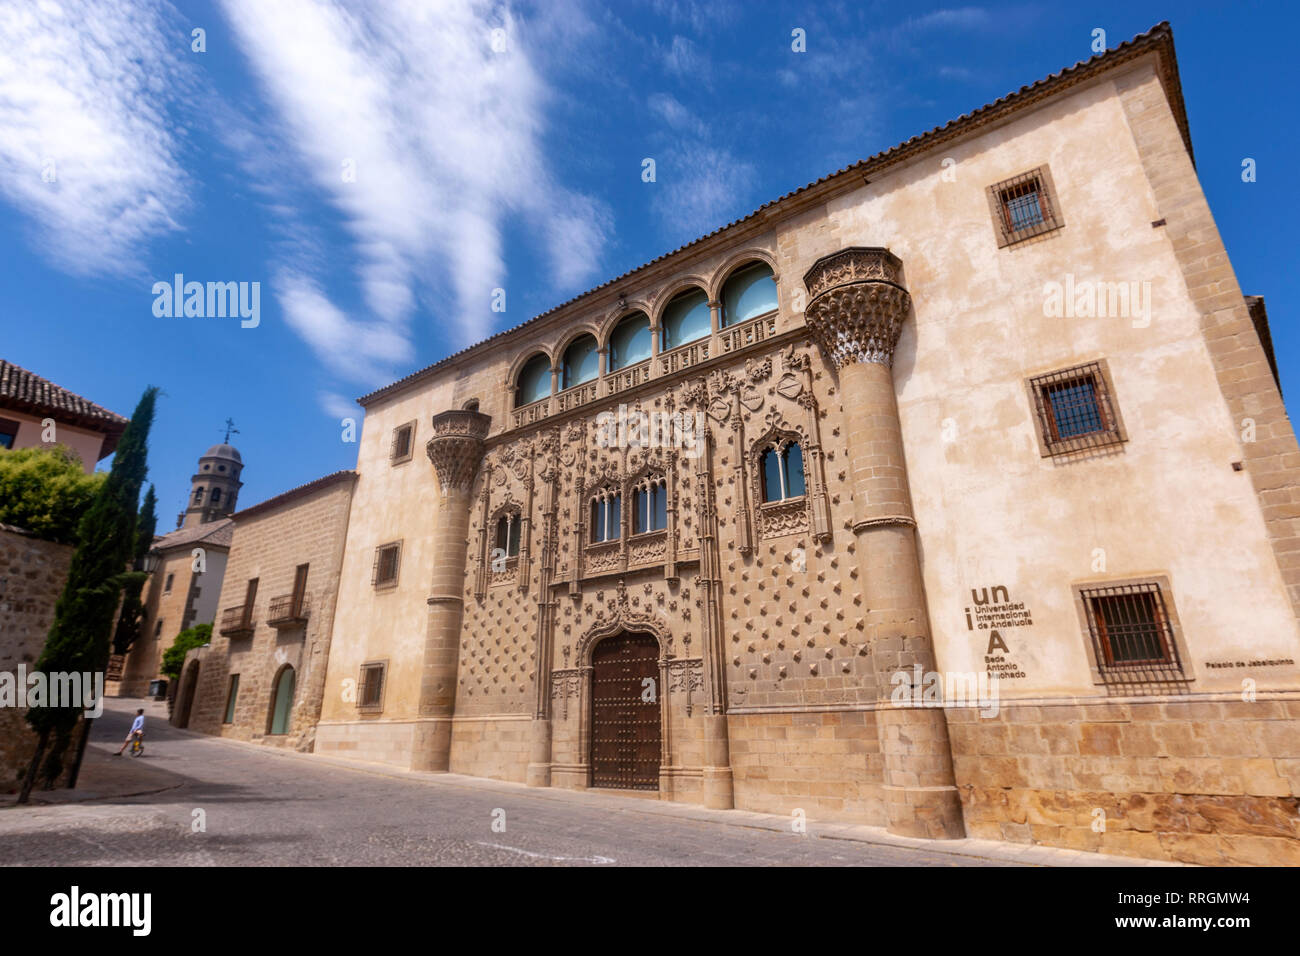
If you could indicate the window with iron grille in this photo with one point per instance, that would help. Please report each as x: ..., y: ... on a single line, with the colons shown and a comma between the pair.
x: 387, y: 559
x: 1024, y: 206
x: 1132, y: 634
x: 403, y: 443
x: 370, y: 695
x: 1076, y: 410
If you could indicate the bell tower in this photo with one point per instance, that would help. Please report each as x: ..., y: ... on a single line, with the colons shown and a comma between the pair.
x: 214, y: 487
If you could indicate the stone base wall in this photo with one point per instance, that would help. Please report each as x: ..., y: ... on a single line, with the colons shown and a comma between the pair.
x: 681, y: 778
x: 495, y: 747
x: 827, y: 764
x: 390, y: 742
x: 1203, y: 781
x: 32, y: 575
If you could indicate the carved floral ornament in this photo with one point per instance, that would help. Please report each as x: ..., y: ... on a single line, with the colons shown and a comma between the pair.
x: 858, y: 305
x: 625, y: 613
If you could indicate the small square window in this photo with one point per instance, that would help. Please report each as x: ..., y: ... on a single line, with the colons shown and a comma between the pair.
x: 371, y: 692
x: 403, y: 443
x: 8, y: 432
x: 1024, y: 206
x: 387, y: 559
x: 1075, y: 409
x: 1132, y: 633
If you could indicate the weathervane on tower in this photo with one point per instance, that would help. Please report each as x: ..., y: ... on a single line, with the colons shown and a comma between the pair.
x: 230, y: 429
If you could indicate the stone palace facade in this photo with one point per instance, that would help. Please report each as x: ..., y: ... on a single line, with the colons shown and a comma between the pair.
x: 952, y: 493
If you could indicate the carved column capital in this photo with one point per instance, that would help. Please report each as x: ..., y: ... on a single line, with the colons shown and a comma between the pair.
x: 456, y: 448
x: 857, y: 304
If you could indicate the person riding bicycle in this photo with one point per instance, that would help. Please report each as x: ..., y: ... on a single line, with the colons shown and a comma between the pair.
x: 137, y: 727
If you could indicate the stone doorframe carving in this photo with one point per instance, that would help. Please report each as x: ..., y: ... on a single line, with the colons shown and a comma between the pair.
x: 624, y: 619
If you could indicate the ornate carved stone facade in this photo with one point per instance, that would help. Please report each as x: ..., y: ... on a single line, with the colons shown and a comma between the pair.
x: 813, y: 512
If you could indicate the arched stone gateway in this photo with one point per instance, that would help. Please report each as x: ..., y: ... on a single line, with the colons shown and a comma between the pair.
x: 626, y: 713
x: 280, y: 718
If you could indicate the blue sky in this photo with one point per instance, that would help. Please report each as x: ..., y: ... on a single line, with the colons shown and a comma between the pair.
x: 381, y: 168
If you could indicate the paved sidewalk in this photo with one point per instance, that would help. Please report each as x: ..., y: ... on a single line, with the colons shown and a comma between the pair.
x: 107, y: 777
x: 993, y: 850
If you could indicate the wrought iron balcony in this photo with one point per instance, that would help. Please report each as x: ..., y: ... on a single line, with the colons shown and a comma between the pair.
x: 288, y: 610
x: 237, y: 621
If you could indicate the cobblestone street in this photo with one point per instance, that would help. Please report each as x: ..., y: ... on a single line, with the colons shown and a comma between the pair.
x: 262, y: 807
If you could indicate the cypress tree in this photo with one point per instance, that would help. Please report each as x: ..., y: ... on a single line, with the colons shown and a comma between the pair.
x: 79, y: 640
x: 128, y: 624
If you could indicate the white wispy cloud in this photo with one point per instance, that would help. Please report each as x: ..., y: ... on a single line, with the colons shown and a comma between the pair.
x: 955, y: 18
x: 337, y: 406
x: 88, y: 151
x: 439, y: 113
x: 683, y: 59
x: 699, y: 186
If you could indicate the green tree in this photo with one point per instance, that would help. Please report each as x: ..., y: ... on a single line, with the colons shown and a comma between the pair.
x: 174, y: 657
x: 79, y: 639
x: 46, y: 491
x: 128, y: 623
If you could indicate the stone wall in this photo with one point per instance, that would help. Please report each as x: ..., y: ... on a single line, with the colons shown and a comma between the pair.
x: 32, y: 575
x: 1208, y: 782
x: 169, y: 611
x: 827, y: 764
x: 269, y: 544
x: 495, y: 747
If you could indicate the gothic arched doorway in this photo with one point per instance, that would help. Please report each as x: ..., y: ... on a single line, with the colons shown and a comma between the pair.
x: 282, y: 701
x: 626, y: 735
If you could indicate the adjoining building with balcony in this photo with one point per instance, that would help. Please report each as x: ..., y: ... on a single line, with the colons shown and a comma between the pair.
x: 952, y: 493
x: 186, y: 569
x: 262, y: 676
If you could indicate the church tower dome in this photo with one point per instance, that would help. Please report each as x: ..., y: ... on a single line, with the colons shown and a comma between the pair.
x: 214, y: 487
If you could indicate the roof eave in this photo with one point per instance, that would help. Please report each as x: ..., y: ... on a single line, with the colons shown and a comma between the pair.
x: 1159, y: 40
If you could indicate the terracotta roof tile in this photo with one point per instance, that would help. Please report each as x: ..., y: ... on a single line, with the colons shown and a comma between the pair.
x: 214, y: 533
x: 25, y: 391
x: 19, y: 385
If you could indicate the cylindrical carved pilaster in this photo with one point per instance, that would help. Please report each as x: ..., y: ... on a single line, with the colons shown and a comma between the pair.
x: 456, y: 449
x: 857, y: 307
